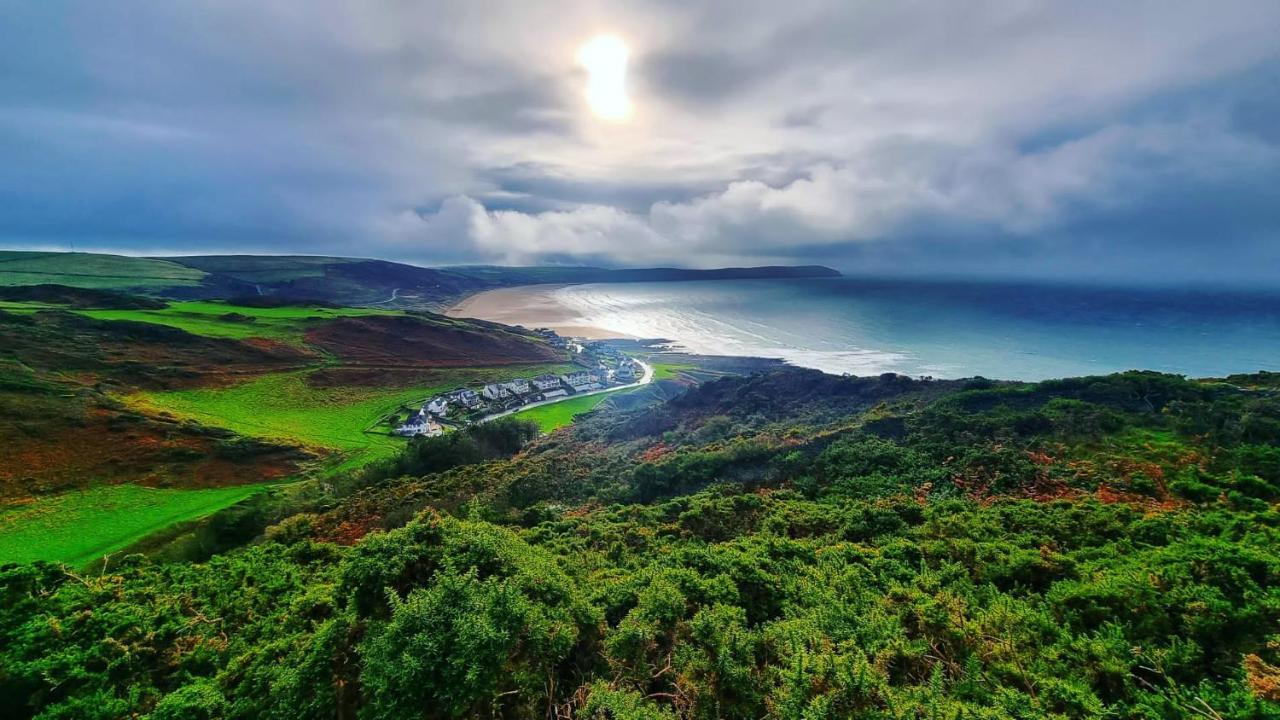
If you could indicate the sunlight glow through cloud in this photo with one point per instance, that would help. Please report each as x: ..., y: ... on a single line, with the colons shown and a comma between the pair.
x: 605, y: 59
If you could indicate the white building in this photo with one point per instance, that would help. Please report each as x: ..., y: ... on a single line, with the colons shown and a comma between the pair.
x: 582, y: 381
x: 627, y: 371
x: 437, y: 406
x: 495, y: 391
x: 519, y: 386
x: 465, y: 397
x: 420, y: 424
x: 544, y: 383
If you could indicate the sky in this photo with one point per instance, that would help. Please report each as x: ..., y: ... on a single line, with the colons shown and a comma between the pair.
x: 1135, y: 140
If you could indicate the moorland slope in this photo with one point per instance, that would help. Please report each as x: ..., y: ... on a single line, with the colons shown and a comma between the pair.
x: 203, y: 403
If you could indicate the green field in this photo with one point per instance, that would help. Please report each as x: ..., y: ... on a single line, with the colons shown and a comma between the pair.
x: 207, y: 318
x: 667, y: 371
x: 555, y: 415
x: 79, y: 527
x: 285, y: 407
x: 210, y: 318
x: 93, y: 271
x: 263, y: 268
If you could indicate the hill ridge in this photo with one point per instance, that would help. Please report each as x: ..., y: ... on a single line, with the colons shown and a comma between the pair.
x: 341, y: 280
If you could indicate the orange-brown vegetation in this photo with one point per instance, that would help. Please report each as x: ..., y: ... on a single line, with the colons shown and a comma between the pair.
x: 97, y: 444
x: 136, y: 354
x: 413, y: 341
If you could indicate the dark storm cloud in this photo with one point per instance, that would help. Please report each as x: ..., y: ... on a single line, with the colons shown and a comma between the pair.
x: 702, y: 77
x: 556, y: 188
x: 1081, y: 139
x: 528, y: 107
x: 804, y: 116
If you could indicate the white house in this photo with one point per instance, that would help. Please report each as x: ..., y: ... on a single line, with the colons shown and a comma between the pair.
x: 627, y: 371
x: 543, y: 383
x: 519, y: 386
x: 465, y: 397
x: 495, y: 391
x: 437, y: 406
x: 420, y: 424
x: 582, y: 380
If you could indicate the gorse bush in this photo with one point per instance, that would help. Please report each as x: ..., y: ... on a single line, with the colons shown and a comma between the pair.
x: 490, y: 622
x: 476, y: 443
x: 865, y: 548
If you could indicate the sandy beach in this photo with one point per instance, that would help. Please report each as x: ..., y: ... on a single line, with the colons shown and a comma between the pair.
x: 531, y: 306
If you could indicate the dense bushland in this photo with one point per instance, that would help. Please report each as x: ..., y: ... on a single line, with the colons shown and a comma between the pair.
x: 783, y: 545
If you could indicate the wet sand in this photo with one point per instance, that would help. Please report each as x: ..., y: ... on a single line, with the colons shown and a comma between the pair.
x: 532, y: 306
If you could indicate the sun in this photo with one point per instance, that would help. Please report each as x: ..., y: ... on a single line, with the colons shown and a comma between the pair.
x: 605, y: 59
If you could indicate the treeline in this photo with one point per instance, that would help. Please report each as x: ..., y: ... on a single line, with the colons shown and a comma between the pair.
x: 860, y: 548
x: 473, y: 444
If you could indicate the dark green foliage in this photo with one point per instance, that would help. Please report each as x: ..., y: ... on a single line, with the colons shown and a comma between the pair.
x: 467, y: 619
x: 864, y: 548
x: 126, y: 640
x: 476, y: 443
x: 78, y: 297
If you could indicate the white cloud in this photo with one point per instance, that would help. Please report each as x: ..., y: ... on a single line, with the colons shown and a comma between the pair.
x: 809, y: 129
x: 995, y: 189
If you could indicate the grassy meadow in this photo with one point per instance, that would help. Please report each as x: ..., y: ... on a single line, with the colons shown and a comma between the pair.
x: 78, y: 527
x: 556, y: 415
x: 285, y: 407
x: 670, y: 371
x: 212, y: 318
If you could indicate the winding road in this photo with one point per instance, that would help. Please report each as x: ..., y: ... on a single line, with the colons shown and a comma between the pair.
x: 394, y: 293
x: 645, y: 378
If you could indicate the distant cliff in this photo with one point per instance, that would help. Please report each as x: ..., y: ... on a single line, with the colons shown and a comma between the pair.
x: 536, y: 275
x: 335, y: 280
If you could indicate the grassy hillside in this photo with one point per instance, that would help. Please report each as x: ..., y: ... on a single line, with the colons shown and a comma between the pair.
x: 90, y: 270
x: 217, y: 319
x: 782, y: 545
x: 335, y: 280
x: 557, y: 415
x: 63, y: 426
x: 287, y: 407
x: 71, y: 346
x: 54, y: 295
x: 79, y: 527
x: 342, y: 281
x: 262, y: 268
x: 106, y: 397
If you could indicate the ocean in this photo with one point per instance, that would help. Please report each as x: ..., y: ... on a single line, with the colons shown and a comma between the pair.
x: 947, y: 329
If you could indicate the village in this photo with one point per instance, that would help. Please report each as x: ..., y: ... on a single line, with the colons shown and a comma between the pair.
x: 604, y: 369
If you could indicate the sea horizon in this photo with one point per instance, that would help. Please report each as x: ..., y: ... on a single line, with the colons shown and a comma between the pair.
x: 944, y: 328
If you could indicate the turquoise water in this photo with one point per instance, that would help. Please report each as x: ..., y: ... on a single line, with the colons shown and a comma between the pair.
x: 947, y: 329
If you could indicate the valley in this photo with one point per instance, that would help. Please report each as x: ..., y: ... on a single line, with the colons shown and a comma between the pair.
x: 202, y: 404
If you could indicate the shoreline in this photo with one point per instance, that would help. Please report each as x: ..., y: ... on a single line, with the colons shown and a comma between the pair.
x: 530, y: 306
